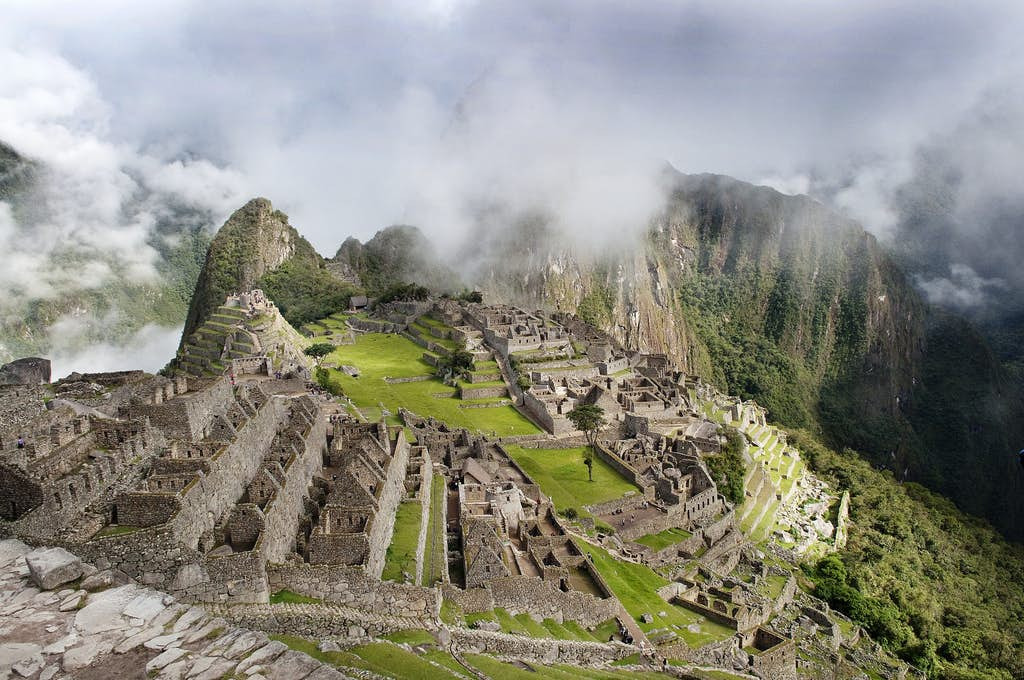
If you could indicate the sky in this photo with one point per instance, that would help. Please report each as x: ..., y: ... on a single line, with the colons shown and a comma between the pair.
x: 354, y: 116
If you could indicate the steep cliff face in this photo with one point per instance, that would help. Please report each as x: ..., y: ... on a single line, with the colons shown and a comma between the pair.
x: 778, y: 299
x: 256, y: 239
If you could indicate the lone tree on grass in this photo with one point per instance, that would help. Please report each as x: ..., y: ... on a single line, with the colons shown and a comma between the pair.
x: 318, y: 350
x: 588, y: 418
x: 456, y: 364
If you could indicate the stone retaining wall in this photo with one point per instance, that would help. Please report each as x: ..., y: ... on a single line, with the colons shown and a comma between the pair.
x: 483, y: 392
x: 352, y: 587
x: 534, y: 596
x: 539, y: 650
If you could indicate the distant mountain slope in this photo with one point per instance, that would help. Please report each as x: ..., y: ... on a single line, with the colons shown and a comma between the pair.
x: 58, y: 295
x: 779, y: 299
x: 396, y: 254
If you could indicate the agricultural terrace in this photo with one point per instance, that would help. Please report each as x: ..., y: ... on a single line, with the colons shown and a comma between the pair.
x: 562, y: 476
x: 664, y: 539
x: 636, y: 586
x: 381, y: 355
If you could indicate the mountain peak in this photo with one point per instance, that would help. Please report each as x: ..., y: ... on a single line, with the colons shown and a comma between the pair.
x: 254, y: 240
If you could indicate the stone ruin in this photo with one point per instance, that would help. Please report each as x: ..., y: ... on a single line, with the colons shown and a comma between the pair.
x: 225, y: 493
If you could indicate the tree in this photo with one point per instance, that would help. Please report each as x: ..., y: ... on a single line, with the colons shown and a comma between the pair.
x: 318, y: 350
x: 457, y: 363
x: 588, y: 418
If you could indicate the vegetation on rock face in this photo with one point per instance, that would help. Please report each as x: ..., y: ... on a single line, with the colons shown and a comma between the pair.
x: 596, y: 306
x: 778, y: 299
x: 304, y: 291
x: 940, y: 588
x: 257, y: 247
x: 404, y: 292
x: 728, y: 468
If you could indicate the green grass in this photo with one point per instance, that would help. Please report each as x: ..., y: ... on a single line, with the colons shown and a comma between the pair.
x: 389, y: 660
x: 434, y: 553
x: 401, y: 555
x: 486, y: 367
x: 447, y: 660
x: 562, y: 475
x: 775, y: 585
x: 382, y: 658
x: 480, y: 616
x: 498, y: 670
x: 287, y: 596
x: 635, y: 585
x: 450, y: 612
x: 115, y: 530
x: 663, y: 539
x: 378, y: 355
x: 412, y: 636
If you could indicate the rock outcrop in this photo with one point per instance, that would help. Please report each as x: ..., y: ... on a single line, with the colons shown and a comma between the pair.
x: 27, y: 371
x: 127, y: 631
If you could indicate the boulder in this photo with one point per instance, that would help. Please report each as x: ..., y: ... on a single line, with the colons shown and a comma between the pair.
x: 27, y: 371
x: 647, y: 618
x: 328, y: 646
x: 101, y: 580
x: 52, y: 567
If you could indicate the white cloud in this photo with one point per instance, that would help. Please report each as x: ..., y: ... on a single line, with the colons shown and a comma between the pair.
x: 150, y: 349
x: 963, y: 288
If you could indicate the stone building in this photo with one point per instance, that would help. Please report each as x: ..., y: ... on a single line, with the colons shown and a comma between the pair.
x: 365, y: 481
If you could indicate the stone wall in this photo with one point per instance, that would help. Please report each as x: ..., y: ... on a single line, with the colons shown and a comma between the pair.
x: 152, y: 555
x: 353, y: 587
x: 259, y: 365
x: 534, y: 596
x: 187, y: 416
x: 617, y: 464
x: 285, y: 508
x: 776, y: 658
x: 538, y: 650
x: 311, y: 621
x: 237, y: 578
x: 391, y: 494
x: 205, y: 501
x: 490, y: 392
x: 18, y: 404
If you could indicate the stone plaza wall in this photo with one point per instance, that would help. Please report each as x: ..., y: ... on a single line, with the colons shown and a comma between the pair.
x: 353, y: 587
x: 534, y: 596
x: 187, y: 416
x: 391, y: 494
x: 539, y: 650
x: 489, y: 392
